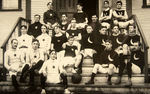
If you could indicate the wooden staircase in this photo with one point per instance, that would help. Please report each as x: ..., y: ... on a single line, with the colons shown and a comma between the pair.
x: 100, y: 85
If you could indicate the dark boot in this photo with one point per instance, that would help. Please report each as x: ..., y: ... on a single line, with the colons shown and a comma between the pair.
x: 15, y: 83
x: 109, y: 80
x: 91, y: 81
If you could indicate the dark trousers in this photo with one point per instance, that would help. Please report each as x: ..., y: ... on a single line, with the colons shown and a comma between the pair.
x: 14, y: 82
x: 123, y: 65
x: 63, y: 77
x: 31, y: 71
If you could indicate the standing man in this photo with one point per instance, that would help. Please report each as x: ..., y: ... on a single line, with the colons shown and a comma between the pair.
x: 50, y: 17
x: 13, y: 62
x: 35, y: 28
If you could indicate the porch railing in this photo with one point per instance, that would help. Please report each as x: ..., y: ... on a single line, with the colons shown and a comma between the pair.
x: 15, y: 32
x: 145, y: 46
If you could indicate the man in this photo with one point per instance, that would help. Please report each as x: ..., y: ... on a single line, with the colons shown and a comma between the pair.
x: 87, y: 42
x: 99, y: 40
x: 137, y: 58
x: 80, y: 16
x: 125, y: 62
x: 72, y: 57
x: 35, y: 28
x: 95, y: 24
x: 53, y: 70
x: 116, y: 36
x: 106, y: 15
x: 50, y: 17
x: 34, y: 61
x: 14, y: 62
x: 45, y: 41
x: 103, y: 62
x: 24, y: 41
x: 120, y: 16
x: 64, y: 23
x: 58, y: 39
x: 133, y: 37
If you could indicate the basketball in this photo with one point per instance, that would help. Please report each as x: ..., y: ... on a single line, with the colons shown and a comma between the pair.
x: 76, y: 78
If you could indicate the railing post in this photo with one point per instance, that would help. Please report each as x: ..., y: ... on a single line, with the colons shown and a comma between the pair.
x: 4, y: 72
x: 146, y: 64
x: 19, y: 25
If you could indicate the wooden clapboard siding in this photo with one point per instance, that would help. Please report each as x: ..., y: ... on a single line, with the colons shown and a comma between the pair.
x: 7, y: 21
x: 38, y: 7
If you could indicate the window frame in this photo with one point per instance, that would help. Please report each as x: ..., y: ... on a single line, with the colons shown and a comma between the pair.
x: 145, y: 4
x: 17, y: 9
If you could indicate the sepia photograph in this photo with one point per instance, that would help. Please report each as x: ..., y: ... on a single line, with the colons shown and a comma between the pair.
x: 74, y: 47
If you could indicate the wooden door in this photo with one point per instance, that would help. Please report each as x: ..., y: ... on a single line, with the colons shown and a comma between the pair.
x: 65, y: 6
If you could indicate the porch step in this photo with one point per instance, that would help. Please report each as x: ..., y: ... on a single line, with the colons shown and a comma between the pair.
x: 86, y: 89
x: 100, y: 78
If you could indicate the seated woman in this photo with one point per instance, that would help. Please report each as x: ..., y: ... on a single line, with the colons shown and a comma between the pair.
x: 53, y: 70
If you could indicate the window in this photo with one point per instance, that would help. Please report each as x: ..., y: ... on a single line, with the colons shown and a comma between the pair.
x: 146, y: 4
x: 10, y: 5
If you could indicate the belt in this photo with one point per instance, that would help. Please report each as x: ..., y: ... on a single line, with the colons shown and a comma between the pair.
x: 23, y: 47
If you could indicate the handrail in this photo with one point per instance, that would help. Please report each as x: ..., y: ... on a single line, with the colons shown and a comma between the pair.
x: 141, y: 31
x: 16, y: 24
x: 146, y: 47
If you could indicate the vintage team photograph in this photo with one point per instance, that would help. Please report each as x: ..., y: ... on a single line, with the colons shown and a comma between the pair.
x: 74, y: 46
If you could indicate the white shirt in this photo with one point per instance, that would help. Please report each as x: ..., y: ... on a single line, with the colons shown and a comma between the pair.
x: 33, y: 56
x: 53, y: 69
x: 45, y: 41
x: 13, y: 59
x: 24, y: 40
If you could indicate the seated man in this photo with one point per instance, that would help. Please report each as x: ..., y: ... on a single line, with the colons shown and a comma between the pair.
x: 24, y: 41
x: 125, y: 62
x: 64, y: 23
x: 95, y: 24
x: 87, y: 42
x: 34, y: 61
x: 137, y: 58
x: 106, y: 15
x: 116, y: 36
x: 50, y: 17
x: 14, y: 62
x: 99, y: 40
x: 75, y: 32
x: 45, y: 41
x: 35, y: 28
x: 133, y: 36
x: 53, y: 70
x: 80, y: 16
x: 71, y: 56
x: 57, y: 41
x: 103, y: 61
x: 120, y: 16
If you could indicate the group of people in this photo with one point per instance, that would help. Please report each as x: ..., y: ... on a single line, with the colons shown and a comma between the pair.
x: 49, y: 49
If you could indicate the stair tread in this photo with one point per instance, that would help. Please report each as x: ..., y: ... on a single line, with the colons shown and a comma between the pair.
x: 99, y: 75
x: 97, y: 85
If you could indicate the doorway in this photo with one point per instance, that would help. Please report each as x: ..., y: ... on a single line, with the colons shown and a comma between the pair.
x: 90, y: 7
